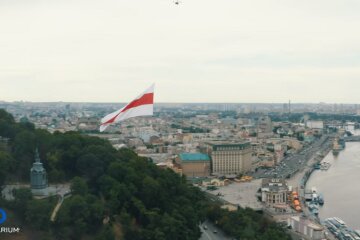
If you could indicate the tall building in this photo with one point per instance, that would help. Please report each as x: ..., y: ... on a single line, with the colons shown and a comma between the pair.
x: 315, y: 124
x: 265, y: 125
x: 230, y: 158
x: 289, y: 107
x: 38, y: 176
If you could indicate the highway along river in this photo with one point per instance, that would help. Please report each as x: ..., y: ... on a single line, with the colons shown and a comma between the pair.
x: 340, y: 185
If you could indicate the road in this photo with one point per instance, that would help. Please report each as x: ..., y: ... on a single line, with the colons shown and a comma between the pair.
x: 291, y: 164
x: 209, y: 234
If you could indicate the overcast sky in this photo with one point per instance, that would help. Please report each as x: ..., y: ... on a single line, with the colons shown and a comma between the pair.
x: 197, y: 51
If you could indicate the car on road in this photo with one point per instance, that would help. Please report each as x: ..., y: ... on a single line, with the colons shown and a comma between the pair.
x: 215, y: 231
x: 205, y: 227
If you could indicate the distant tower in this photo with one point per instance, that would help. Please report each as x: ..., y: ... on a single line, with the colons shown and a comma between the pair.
x: 289, y: 107
x: 38, y: 176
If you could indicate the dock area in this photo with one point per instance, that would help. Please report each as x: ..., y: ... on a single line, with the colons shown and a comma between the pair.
x: 339, y: 228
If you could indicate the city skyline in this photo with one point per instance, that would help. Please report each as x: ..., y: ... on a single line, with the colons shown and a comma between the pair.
x: 179, y: 119
x: 197, y: 51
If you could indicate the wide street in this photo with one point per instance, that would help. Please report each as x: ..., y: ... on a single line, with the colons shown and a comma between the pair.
x: 291, y: 164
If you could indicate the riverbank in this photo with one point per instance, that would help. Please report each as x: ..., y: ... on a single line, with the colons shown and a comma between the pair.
x: 300, y: 179
x: 339, y: 185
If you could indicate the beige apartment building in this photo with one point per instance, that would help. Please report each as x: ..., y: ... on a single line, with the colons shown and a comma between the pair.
x: 230, y: 158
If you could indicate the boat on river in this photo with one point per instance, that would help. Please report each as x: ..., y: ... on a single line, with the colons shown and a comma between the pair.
x: 320, y: 199
x: 325, y: 165
x: 337, y: 147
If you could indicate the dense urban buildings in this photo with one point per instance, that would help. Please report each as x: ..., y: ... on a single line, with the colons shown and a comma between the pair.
x: 239, y: 155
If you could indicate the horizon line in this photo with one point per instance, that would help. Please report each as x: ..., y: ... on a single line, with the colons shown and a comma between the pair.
x: 292, y: 103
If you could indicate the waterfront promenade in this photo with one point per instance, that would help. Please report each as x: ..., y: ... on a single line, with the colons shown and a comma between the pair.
x: 339, y: 185
x: 299, y: 180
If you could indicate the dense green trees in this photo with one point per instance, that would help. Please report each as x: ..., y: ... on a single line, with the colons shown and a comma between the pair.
x: 7, y: 164
x: 79, y: 214
x: 246, y: 224
x: 79, y: 186
x: 22, y: 197
x: 38, y: 213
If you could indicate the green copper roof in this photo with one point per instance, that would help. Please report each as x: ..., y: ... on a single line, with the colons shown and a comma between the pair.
x: 194, y: 157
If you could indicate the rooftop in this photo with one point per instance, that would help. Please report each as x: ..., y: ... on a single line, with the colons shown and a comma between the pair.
x: 194, y: 157
x: 228, y: 145
x: 309, y: 223
x: 274, y: 184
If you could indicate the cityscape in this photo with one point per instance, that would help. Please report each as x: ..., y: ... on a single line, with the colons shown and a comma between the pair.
x: 257, y: 156
x: 179, y: 120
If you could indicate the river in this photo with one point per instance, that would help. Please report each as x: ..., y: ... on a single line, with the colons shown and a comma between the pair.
x: 340, y: 185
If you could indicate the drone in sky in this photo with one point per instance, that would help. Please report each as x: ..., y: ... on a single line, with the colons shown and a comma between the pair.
x: 177, y: 2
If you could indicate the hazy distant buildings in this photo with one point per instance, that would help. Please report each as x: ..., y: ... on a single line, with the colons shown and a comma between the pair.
x: 350, y: 127
x: 230, y: 158
x: 88, y: 124
x: 315, y: 124
x: 264, y: 127
x: 309, y: 136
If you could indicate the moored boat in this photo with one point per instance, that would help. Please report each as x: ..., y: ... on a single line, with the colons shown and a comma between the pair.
x: 321, y: 199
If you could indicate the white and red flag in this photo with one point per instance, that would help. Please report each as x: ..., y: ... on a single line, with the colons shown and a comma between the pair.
x: 143, y: 105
